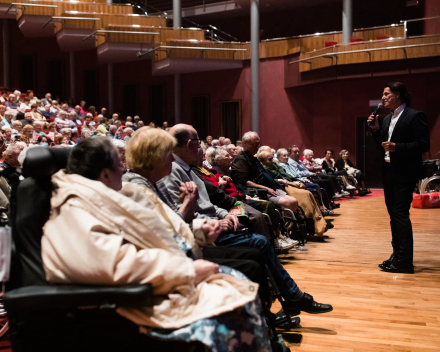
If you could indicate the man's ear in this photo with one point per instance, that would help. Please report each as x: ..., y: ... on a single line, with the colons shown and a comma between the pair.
x: 104, y: 177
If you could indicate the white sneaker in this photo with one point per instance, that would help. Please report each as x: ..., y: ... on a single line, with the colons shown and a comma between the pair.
x: 290, y: 241
x: 350, y: 187
x: 283, y: 245
x: 337, y: 195
x: 344, y: 193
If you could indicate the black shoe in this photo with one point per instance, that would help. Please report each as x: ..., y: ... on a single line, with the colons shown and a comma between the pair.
x: 281, y: 321
x: 399, y: 267
x: 308, y: 305
x: 388, y: 262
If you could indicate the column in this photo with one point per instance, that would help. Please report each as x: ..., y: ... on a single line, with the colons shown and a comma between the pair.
x: 255, y: 64
x: 177, y: 23
x: 347, y: 21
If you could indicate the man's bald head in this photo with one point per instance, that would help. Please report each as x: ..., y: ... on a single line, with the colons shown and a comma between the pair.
x: 183, y: 133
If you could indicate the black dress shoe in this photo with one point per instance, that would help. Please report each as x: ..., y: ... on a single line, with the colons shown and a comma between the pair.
x: 399, y: 267
x: 388, y: 262
x: 308, y: 305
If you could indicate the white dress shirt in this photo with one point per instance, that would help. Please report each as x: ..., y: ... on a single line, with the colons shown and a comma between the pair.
x: 395, y: 115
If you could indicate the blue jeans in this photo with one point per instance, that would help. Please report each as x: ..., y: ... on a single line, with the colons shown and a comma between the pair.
x: 285, y: 283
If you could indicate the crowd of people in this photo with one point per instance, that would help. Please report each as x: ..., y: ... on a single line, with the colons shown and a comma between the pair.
x: 161, y: 205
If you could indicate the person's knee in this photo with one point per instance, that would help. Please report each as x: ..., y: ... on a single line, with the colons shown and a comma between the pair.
x: 289, y: 202
x: 260, y: 241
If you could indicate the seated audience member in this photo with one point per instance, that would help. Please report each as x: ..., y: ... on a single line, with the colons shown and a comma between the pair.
x: 52, y: 131
x: 36, y: 116
x: 316, y: 169
x: 328, y: 164
x: 7, y: 118
x: 116, y: 240
x: 140, y: 124
x: 344, y: 163
x: 115, y: 117
x: 220, y: 141
x: 92, y: 110
x: 63, y: 121
x: 249, y: 217
x: 3, y: 97
x: 185, y: 153
x: 120, y: 147
x: 114, y: 133
x: 221, y: 162
x: 83, y: 109
x: 62, y: 140
x: 47, y: 100
x: 239, y: 143
x: 294, y: 188
x: 11, y: 102
x: 2, y: 112
x: 87, y: 126
x: 165, y: 125
x: 152, y: 125
x: 208, y: 142
x: 128, y: 119
x: 25, y: 106
x: 67, y: 133
x: 7, y: 135
x: 17, y: 95
x: 102, y: 128
x: 226, y: 142
x: 207, y: 161
x: 17, y: 127
x: 232, y: 150
x: 27, y: 134
x: 249, y: 172
x: 297, y: 167
x: 47, y: 113
x: 42, y: 141
x: 38, y: 129
x: 78, y: 114
x: 28, y: 119
x: 10, y: 161
x: 136, y: 119
x: 215, y: 143
x: 128, y: 133
x: 84, y: 135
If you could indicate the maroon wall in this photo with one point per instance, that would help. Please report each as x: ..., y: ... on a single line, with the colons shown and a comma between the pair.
x: 432, y: 9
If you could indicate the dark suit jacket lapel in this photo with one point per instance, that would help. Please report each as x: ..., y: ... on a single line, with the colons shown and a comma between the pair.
x: 399, y: 123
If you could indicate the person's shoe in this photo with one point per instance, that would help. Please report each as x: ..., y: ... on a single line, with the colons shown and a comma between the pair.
x: 337, y: 195
x: 399, y: 267
x: 388, y: 262
x: 329, y: 226
x: 336, y: 205
x: 308, y: 305
x: 282, y: 245
x: 345, y: 193
x: 362, y: 193
x: 350, y: 187
x: 368, y: 191
x: 290, y: 241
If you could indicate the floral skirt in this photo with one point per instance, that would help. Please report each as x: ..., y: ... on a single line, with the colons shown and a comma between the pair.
x: 243, y: 329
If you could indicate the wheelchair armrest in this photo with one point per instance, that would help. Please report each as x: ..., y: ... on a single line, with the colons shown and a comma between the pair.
x: 33, y: 298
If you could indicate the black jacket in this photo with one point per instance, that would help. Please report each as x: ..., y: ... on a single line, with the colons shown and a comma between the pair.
x: 411, y: 135
x: 340, y: 165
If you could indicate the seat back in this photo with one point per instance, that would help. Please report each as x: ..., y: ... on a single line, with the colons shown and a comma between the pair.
x: 30, y: 209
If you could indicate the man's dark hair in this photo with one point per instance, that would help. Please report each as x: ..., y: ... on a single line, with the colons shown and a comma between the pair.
x: 90, y: 157
x: 328, y: 150
x: 182, y: 135
x: 289, y: 150
x: 397, y: 87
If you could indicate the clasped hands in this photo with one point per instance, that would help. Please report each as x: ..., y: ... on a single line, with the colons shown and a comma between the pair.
x: 389, y: 146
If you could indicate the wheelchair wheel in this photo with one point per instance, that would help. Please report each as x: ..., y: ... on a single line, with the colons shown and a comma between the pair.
x: 4, y: 322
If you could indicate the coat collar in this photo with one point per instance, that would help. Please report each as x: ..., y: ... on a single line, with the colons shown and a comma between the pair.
x: 399, y: 122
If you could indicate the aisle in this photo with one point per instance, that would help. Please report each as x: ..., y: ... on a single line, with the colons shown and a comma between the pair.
x: 373, y: 310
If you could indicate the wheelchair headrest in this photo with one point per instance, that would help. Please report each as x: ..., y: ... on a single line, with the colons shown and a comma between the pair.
x: 42, y: 162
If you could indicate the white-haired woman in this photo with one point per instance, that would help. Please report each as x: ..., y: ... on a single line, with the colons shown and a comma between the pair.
x: 344, y: 163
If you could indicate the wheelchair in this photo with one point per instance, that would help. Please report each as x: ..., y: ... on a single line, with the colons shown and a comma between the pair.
x: 47, y: 317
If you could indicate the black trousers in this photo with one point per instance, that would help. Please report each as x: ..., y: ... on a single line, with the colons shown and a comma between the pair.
x: 248, y: 261
x: 398, y: 199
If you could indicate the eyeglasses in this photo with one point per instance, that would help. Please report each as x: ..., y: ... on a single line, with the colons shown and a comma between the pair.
x: 196, y: 139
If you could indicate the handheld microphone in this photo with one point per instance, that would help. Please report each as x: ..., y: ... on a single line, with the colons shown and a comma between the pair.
x: 379, y: 107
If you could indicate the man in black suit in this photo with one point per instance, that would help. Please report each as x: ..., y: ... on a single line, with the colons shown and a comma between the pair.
x: 404, y: 136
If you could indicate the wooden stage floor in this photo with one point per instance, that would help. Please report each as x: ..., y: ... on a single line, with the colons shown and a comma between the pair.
x: 373, y: 310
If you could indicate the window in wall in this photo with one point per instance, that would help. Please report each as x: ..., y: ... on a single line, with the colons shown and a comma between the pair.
x: 91, y: 90
x: 131, y: 100
x: 55, y: 79
x: 157, y: 103
x: 200, y: 114
x: 231, y: 120
x: 27, y: 72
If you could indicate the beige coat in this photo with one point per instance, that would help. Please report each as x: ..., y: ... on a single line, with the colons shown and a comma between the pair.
x: 98, y: 236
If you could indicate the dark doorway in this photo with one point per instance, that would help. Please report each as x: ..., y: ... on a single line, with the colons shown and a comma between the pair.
x: 55, y: 72
x: 368, y: 156
x: 200, y: 115
x: 91, y: 87
x: 231, y: 120
x: 27, y: 73
x: 157, y: 103
x: 131, y: 99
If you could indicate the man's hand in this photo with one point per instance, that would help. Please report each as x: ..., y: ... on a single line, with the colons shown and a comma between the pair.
x: 227, y: 179
x: 211, y: 229
x: 306, y: 180
x: 389, y: 147
x: 188, y: 192
x: 222, y: 183
x: 204, y: 269
x: 272, y: 192
x: 373, y: 122
x: 233, y: 220
x: 282, y: 181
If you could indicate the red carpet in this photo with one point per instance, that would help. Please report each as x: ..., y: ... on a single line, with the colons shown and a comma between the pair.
x: 374, y: 193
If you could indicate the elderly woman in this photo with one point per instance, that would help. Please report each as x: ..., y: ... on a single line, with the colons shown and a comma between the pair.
x: 67, y: 133
x: 11, y: 103
x: 27, y: 134
x: 124, y: 234
x: 129, y: 132
x: 328, y: 164
x: 344, y: 163
x: 305, y: 198
x: 36, y: 116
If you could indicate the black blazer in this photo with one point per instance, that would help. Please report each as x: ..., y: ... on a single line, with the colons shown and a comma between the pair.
x: 411, y: 135
x: 340, y: 164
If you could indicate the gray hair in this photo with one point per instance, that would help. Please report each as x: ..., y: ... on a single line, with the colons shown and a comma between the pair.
x: 13, y: 149
x: 119, y: 144
x: 129, y: 124
x: 136, y: 117
x: 209, y: 152
x: 65, y: 130
x: 128, y: 129
x: 279, y: 151
x: 248, y: 136
x: 215, y: 142
x: 221, y: 139
x: 112, y: 127
x: 307, y: 151
x: 5, y: 128
x: 86, y: 134
x: 216, y: 154
x: 229, y: 147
